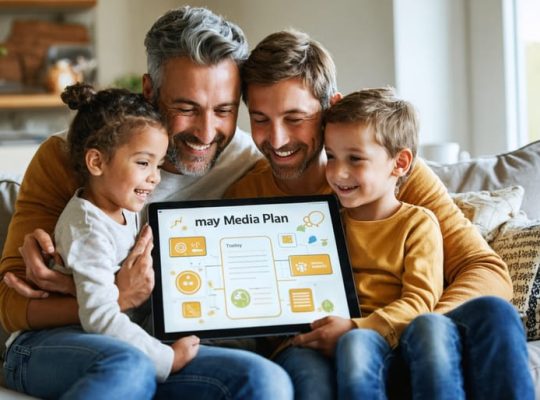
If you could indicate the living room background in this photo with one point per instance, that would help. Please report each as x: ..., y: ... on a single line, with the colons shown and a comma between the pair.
x: 451, y: 58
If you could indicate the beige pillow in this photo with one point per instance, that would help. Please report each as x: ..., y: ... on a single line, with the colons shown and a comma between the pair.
x: 517, y: 167
x: 518, y: 244
x: 488, y: 210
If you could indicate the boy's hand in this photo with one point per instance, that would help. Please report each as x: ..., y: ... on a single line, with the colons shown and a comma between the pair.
x: 37, y: 251
x: 135, y: 280
x: 325, y: 334
x: 185, y: 350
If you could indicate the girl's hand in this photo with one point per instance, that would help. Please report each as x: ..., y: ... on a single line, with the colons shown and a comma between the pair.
x: 185, y: 350
x: 135, y: 280
x: 325, y: 334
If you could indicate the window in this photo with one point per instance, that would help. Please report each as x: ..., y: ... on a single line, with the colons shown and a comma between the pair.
x: 528, y: 30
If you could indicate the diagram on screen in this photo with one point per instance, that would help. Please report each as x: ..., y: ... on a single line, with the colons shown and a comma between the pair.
x: 246, y: 266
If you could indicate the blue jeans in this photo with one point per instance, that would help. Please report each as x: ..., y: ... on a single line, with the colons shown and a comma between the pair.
x: 431, y: 349
x: 313, y: 375
x: 68, y: 363
x: 362, y: 357
x: 494, y: 358
x: 479, y: 347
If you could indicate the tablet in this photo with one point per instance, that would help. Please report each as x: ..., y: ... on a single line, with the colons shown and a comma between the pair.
x: 248, y: 267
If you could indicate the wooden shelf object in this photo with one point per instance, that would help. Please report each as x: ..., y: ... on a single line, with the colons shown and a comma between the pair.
x: 22, y: 101
x: 48, y: 3
x: 26, y: 101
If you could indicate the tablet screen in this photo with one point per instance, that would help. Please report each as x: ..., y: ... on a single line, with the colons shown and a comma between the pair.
x: 248, y: 267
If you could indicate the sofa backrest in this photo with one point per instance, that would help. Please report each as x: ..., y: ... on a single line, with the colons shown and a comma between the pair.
x: 9, y: 188
x: 518, y: 167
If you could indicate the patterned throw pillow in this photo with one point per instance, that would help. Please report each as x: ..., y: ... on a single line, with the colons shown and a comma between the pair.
x: 488, y: 210
x: 518, y: 244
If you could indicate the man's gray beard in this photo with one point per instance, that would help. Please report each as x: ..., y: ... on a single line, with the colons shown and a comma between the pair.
x: 181, y: 168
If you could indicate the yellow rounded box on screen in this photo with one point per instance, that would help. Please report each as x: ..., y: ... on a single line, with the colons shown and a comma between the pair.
x: 187, y: 246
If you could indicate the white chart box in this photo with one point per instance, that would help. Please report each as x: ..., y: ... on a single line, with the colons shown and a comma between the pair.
x: 249, y: 275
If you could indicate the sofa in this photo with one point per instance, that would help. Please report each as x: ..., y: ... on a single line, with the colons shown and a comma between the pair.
x: 498, y: 193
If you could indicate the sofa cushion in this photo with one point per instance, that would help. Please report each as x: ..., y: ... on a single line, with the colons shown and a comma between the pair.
x: 488, y: 210
x: 518, y: 167
x: 9, y: 188
x: 518, y: 244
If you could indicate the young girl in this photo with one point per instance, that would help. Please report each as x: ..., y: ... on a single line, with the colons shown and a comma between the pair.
x: 116, y: 143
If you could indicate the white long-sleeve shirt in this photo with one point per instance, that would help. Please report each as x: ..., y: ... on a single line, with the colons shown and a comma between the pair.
x: 93, y: 247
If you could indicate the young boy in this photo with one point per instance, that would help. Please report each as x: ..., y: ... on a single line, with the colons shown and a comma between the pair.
x: 395, y: 248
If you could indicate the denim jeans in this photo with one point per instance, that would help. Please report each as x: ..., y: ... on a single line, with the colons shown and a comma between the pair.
x: 68, y: 363
x: 431, y: 349
x: 494, y: 359
x: 313, y: 375
x: 362, y: 357
x: 479, y: 348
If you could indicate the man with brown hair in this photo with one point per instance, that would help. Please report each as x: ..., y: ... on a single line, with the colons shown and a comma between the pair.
x: 287, y: 83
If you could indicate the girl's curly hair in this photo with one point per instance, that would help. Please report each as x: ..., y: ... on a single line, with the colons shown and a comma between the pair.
x: 104, y: 120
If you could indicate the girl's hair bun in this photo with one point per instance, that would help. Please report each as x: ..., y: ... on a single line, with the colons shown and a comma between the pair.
x: 78, y: 96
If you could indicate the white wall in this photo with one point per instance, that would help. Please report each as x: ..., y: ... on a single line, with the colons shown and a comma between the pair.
x: 446, y: 56
x: 431, y: 69
x: 455, y: 61
x: 358, y: 33
x: 121, y: 26
x: 493, y: 88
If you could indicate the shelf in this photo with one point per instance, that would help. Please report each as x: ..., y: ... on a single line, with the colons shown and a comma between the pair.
x: 48, y: 3
x: 26, y: 101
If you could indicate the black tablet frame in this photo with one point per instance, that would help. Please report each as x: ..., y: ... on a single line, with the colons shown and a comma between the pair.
x: 255, y: 331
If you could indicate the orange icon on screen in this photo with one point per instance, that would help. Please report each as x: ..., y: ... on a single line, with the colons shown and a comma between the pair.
x: 310, y: 264
x: 301, y: 300
x: 187, y: 246
x: 287, y: 239
x: 191, y: 309
x: 188, y: 282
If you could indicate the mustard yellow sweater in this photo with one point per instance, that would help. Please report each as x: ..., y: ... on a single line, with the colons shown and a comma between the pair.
x: 471, y: 267
x: 397, y: 264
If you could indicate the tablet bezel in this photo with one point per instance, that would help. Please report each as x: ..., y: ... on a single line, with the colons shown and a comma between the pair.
x: 286, y: 329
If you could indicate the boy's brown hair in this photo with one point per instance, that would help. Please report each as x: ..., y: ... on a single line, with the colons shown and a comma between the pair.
x: 394, y: 120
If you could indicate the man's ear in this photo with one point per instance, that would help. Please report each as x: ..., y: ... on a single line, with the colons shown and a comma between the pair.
x: 147, y: 87
x: 95, y: 162
x: 402, y: 162
x: 335, y: 98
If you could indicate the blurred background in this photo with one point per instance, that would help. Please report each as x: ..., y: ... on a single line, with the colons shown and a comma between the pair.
x: 471, y: 67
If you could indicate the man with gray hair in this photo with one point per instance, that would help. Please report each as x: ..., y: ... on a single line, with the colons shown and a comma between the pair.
x: 193, y: 78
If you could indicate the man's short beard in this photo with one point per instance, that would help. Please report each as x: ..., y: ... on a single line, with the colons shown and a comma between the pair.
x: 288, y: 173
x: 293, y: 173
